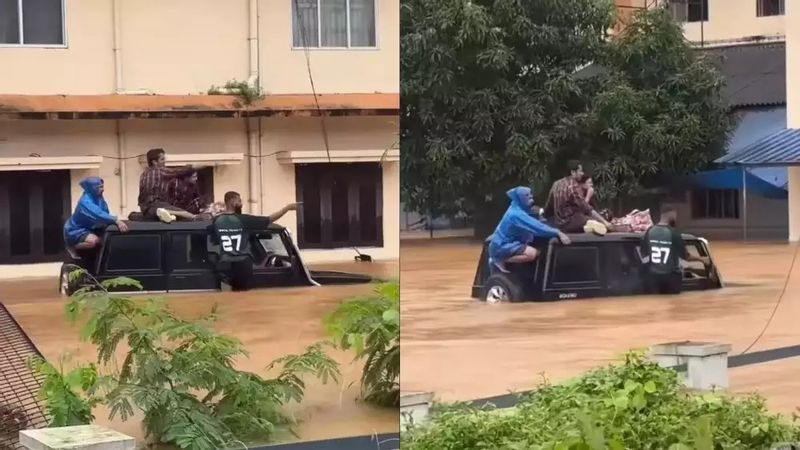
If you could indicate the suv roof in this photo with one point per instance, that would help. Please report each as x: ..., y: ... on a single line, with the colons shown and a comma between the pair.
x: 610, y: 237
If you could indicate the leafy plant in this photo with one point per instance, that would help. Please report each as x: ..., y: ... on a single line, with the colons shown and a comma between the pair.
x: 181, y: 373
x: 70, y: 396
x: 634, y: 405
x: 245, y: 93
x: 371, y: 326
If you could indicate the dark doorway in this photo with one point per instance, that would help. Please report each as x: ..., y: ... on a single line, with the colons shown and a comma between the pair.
x: 342, y: 205
x: 33, y: 209
x: 205, y: 184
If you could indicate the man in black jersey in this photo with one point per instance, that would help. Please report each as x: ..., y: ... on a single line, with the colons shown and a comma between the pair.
x: 231, y: 231
x: 663, y: 246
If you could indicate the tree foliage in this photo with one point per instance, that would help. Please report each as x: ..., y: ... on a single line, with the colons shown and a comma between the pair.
x: 489, y: 92
x: 179, y: 373
x: 494, y: 95
x: 371, y: 327
x: 659, y: 110
x: 634, y: 405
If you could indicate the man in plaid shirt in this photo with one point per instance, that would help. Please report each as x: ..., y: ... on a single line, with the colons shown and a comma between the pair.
x: 568, y: 204
x: 183, y: 193
x: 154, y: 198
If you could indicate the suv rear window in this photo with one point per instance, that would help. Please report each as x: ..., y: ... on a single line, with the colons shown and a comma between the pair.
x: 133, y: 252
x: 576, y: 265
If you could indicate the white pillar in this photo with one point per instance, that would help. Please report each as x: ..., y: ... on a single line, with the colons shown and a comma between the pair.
x: 794, y: 203
x: 415, y: 407
x: 706, y: 362
x: 82, y: 437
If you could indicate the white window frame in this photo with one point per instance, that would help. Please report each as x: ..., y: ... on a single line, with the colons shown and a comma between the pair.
x: 64, y: 44
x: 760, y: 9
x: 319, y: 30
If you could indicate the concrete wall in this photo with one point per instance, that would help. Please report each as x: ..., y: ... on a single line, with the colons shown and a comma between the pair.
x: 735, y: 19
x: 186, y: 46
x: 766, y: 220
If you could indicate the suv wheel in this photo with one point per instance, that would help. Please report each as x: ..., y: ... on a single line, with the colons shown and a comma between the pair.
x: 501, y: 288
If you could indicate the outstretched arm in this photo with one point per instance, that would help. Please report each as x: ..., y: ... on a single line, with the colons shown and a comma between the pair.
x: 96, y: 213
x: 282, y: 212
x: 532, y: 225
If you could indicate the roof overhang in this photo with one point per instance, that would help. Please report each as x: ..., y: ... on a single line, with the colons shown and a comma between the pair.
x: 50, y: 163
x: 338, y: 156
x: 199, y: 159
x: 55, y: 107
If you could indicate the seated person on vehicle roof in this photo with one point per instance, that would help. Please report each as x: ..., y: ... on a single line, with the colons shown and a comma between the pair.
x: 184, y: 194
x: 231, y: 231
x: 663, y: 248
x: 154, y: 199
x: 91, y: 216
x: 517, y: 229
x: 567, y: 202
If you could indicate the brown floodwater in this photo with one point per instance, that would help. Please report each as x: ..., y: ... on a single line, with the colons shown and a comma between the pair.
x: 463, y: 349
x: 270, y: 323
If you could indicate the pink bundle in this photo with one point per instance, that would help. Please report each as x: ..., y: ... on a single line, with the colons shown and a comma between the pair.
x: 636, y: 221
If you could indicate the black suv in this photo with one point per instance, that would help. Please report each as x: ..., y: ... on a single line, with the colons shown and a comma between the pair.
x: 180, y: 257
x: 592, y: 266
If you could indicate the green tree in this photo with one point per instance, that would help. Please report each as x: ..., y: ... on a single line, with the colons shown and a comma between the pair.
x: 180, y: 374
x: 659, y: 111
x: 493, y: 97
x: 490, y: 95
x: 371, y: 327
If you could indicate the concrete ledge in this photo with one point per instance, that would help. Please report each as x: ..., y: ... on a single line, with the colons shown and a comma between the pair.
x: 415, y: 407
x: 82, y: 437
x: 706, y: 362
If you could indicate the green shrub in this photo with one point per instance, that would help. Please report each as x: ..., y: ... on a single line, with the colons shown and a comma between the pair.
x: 60, y: 390
x: 179, y: 373
x: 634, y: 405
x: 371, y: 326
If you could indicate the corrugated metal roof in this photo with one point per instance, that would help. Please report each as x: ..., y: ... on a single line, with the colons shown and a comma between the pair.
x: 778, y: 149
x: 755, y: 74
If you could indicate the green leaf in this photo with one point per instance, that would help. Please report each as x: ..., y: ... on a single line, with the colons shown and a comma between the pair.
x: 650, y: 387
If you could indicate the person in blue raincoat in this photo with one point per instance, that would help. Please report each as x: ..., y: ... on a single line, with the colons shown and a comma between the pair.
x: 90, y: 217
x: 517, y: 229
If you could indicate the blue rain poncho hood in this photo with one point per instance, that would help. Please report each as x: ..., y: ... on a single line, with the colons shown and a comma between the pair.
x: 91, y: 212
x: 518, y: 227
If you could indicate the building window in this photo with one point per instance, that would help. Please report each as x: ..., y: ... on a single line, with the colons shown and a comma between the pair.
x: 32, y: 22
x: 342, y: 205
x: 33, y: 209
x: 333, y: 23
x: 690, y: 10
x: 715, y: 204
x: 769, y: 8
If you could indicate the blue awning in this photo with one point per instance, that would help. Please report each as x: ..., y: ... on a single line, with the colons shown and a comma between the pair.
x: 733, y: 179
x: 781, y: 148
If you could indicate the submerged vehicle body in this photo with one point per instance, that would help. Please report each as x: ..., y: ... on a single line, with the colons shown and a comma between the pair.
x: 181, y: 257
x: 591, y: 266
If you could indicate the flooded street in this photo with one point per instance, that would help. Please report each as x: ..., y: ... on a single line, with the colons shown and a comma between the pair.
x: 270, y: 323
x: 463, y: 349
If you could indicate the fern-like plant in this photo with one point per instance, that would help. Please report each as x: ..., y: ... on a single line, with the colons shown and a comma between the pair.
x: 181, y: 373
x: 371, y: 326
x: 70, y: 396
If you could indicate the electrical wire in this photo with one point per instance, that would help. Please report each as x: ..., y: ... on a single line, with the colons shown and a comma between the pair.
x: 307, y: 53
x: 778, y: 303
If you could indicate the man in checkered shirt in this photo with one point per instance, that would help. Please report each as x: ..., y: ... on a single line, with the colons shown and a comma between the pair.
x: 154, y: 198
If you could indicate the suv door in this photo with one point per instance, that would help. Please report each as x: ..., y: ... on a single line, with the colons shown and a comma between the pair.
x: 273, y: 262
x: 135, y: 255
x: 188, y: 262
x: 574, y: 271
